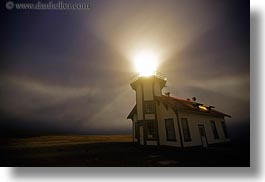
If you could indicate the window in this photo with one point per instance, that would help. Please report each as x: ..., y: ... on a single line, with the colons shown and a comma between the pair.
x: 170, y: 130
x: 224, y: 129
x: 185, y: 129
x: 151, y: 129
x: 214, y: 129
x: 149, y: 106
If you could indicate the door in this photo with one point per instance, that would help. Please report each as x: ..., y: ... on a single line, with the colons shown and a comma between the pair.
x: 141, y: 135
x: 203, y: 135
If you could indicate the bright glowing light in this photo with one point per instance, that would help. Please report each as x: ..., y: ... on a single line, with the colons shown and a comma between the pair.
x: 146, y: 63
x: 203, y: 108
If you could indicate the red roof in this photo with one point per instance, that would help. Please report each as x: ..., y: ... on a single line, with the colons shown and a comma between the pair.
x: 185, y: 105
x: 182, y: 104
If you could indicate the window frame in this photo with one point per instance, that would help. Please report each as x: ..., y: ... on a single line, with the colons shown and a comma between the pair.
x: 149, y: 103
x: 214, y: 130
x: 185, y: 131
x: 153, y: 131
x: 173, y: 129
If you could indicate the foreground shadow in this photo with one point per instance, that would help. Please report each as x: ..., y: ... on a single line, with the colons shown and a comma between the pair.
x: 127, y: 154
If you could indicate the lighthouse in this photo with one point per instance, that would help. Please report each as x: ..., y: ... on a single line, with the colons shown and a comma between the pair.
x: 159, y: 119
x: 146, y: 89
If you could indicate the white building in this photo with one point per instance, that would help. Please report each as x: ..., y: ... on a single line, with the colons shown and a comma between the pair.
x: 164, y: 120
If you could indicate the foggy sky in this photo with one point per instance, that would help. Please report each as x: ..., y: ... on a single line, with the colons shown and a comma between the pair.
x: 71, y: 70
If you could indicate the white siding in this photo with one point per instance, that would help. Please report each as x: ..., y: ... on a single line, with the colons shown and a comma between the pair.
x: 139, y: 102
x: 157, y: 89
x: 149, y: 116
x: 194, y: 120
x: 163, y: 114
x: 148, y: 90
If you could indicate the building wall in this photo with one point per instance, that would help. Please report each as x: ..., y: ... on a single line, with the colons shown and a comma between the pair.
x: 139, y: 102
x: 162, y: 114
x: 194, y: 120
x: 148, y: 90
x: 145, y: 91
x: 134, y: 127
x: 157, y: 89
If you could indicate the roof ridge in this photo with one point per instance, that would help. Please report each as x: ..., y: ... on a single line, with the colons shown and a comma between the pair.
x: 190, y: 104
x: 177, y: 98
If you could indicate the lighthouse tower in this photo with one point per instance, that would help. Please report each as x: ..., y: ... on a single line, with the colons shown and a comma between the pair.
x: 146, y: 125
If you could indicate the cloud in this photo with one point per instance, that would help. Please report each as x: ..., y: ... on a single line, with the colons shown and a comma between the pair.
x: 229, y: 94
x: 73, y: 69
x: 83, y: 109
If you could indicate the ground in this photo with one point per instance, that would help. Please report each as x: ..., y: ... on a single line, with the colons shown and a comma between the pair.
x: 114, y: 150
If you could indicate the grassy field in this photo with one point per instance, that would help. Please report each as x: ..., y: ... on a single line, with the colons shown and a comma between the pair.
x: 62, y: 140
x: 113, y: 150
